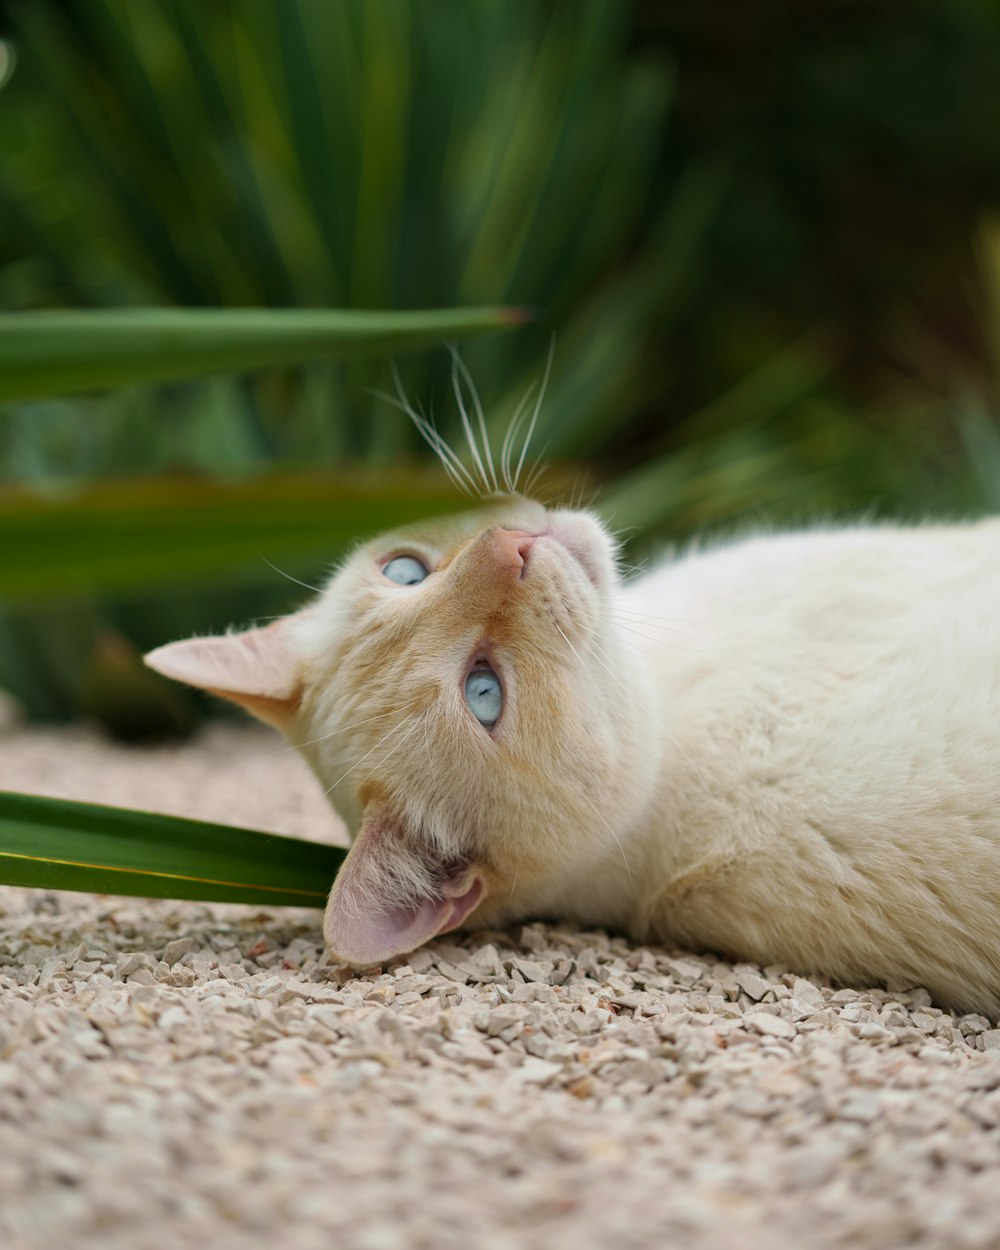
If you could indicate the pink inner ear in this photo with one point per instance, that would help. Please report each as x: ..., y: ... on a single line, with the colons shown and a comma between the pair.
x: 363, y: 929
x: 403, y: 929
x: 257, y: 662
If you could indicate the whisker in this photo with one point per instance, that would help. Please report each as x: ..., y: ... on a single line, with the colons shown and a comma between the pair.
x: 614, y: 676
x: 579, y: 657
x: 342, y: 729
x: 511, y: 435
x: 538, y: 470
x: 449, y: 460
x: 661, y: 641
x: 470, y: 437
x: 631, y: 643
x: 652, y: 618
x: 600, y: 816
x: 381, y: 741
x: 655, y: 627
x: 534, y: 415
x: 458, y: 363
x: 305, y: 585
x: 405, y: 738
x: 395, y: 729
x: 444, y: 443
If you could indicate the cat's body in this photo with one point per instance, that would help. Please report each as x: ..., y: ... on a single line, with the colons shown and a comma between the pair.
x: 785, y: 749
x: 828, y: 795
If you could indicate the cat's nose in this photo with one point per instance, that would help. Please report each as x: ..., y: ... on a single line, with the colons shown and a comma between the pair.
x: 514, y: 547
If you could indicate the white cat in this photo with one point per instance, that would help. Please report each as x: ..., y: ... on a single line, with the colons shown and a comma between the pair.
x: 784, y: 749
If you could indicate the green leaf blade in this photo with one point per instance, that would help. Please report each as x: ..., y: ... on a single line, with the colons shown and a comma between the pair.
x: 57, y: 353
x: 129, y: 536
x: 55, y: 844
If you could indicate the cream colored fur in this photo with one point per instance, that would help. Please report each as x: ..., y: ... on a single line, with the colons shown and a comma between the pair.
x: 785, y: 748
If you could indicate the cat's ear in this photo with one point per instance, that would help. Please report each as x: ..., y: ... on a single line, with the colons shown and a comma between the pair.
x: 391, y: 895
x: 257, y: 669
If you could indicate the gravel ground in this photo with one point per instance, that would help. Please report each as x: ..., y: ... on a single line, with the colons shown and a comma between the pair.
x: 175, y: 1074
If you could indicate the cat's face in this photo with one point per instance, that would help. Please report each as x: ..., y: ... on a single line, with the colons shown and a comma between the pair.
x: 453, y: 690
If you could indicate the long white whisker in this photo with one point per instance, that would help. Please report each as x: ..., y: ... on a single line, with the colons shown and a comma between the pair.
x: 458, y: 363
x: 451, y: 463
x: 536, y: 472
x: 343, y: 729
x: 395, y: 729
x: 610, y: 640
x: 511, y: 435
x: 655, y: 618
x: 613, y: 640
x: 306, y: 585
x: 534, y: 415
x: 427, y: 431
x: 659, y: 641
x: 614, y: 676
x: 433, y: 436
x: 600, y: 816
x: 655, y: 626
x: 587, y: 673
x: 470, y: 437
x: 450, y: 468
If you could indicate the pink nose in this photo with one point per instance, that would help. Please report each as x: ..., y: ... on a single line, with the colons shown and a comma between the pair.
x: 514, y: 546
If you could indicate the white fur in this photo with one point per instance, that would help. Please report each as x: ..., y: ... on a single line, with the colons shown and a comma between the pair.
x: 827, y: 790
x: 785, y: 749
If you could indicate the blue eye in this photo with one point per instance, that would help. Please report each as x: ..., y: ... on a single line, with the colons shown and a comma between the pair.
x: 484, y: 696
x: 405, y: 570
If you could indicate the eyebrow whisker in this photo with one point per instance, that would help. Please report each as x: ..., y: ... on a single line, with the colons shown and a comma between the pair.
x: 305, y: 585
x: 449, y: 460
x: 458, y: 364
x: 395, y: 729
x: 538, y: 404
x: 511, y: 435
x: 470, y: 437
x: 342, y: 729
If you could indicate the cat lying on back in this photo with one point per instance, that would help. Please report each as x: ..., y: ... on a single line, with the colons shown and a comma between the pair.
x: 786, y: 749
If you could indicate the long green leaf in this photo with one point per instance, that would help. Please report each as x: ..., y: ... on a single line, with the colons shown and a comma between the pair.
x: 56, y: 353
x: 53, y: 844
x: 132, y: 535
x: 148, y: 534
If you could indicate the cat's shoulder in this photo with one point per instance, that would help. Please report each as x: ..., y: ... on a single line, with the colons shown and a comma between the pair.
x: 831, y: 540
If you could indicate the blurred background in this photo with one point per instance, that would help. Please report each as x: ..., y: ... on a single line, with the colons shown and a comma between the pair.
x: 763, y: 236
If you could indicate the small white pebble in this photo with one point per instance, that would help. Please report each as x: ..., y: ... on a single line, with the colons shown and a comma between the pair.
x: 768, y: 1025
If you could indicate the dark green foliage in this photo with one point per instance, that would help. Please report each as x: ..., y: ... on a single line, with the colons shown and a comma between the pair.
x: 751, y: 228
x: 44, y: 353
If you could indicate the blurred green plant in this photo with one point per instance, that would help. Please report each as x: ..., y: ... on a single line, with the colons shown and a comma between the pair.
x: 368, y: 153
x: 53, y: 353
x: 168, y: 530
x: 379, y: 154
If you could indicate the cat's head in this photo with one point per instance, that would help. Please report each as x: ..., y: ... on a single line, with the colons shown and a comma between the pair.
x: 455, y: 691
